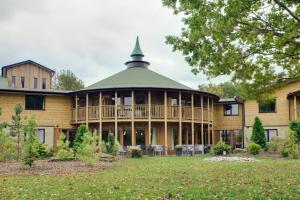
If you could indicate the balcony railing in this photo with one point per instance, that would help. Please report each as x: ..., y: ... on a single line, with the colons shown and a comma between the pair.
x: 141, y: 112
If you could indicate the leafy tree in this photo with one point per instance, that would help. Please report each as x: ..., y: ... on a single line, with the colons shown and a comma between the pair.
x: 7, y: 146
x: 223, y: 90
x: 64, y: 152
x: 258, y: 133
x: 30, y: 152
x: 88, y: 150
x: 295, y: 126
x: 291, y: 145
x: 111, y: 146
x: 255, y: 42
x: 82, y: 129
x: 17, y: 126
x: 67, y: 80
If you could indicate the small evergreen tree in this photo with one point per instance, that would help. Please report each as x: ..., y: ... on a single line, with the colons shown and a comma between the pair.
x: 30, y: 152
x: 7, y: 146
x: 258, y: 133
x: 17, y: 125
x: 82, y: 129
x: 88, y: 150
x: 64, y: 152
x: 111, y: 146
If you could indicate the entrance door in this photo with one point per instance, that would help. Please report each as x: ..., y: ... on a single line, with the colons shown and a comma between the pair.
x: 140, y: 137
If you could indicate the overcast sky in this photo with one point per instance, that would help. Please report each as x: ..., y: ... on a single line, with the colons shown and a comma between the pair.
x: 93, y: 38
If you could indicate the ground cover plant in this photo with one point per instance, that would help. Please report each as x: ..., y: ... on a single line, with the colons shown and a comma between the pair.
x: 165, y: 177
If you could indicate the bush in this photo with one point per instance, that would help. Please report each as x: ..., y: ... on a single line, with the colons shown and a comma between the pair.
x: 253, y: 148
x: 238, y: 150
x: 220, y: 147
x: 284, y: 154
x: 82, y: 129
x: 291, y: 145
x: 42, y: 150
x: 8, y: 148
x: 258, y: 133
x: 135, y: 152
x: 111, y: 147
x: 87, y: 151
x: 64, y: 152
x: 276, y: 144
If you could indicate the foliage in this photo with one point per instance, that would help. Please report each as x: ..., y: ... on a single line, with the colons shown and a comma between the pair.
x: 30, y: 153
x: 7, y: 146
x: 17, y: 126
x: 88, y: 150
x: 295, y: 126
x: 111, y: 146
x: 178, y: 147
x: 135, y: 152
x: 82, y: 129
x: 253, y: 148
x: 255, y: 42
x: 258, y: 133
x: 291, y: 145
x: 223, y: 90
x: 220, y: 147
x: 64, y: 152
x: 67, y: 80
x: 276, y: 144
x: 42, y: 150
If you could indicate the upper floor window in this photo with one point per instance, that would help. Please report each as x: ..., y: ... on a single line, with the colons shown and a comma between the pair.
x: 13, y: 81
x: 267, y: 107
x: 22, y: 82
x: 231, y: 109
x: 35, y: 83
x: 34, y: 102
x: 44, y: 83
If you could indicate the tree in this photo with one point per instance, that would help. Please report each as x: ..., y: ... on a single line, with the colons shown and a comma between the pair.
x: 30, y: 152
x: 66, y: 80
x: 17, y: 126
x: 88, y: 149
x: 258, y: 133
x: 64, y: 152
x: 255, y: 42
x: 223, y: 90
x: 82, y: 129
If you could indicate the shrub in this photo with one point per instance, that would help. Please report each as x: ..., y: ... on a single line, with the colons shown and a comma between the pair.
x: 291, y: 145
x: 8, y: 148
x: 238, y: 150
x: 135, y: 152
x: 64, y: 152
x: 253, y: 148
x: 41, y: 149
x: 276, y: 144
x: 112, y: 146
x: 82, y: 129
x: 258, y: 133
x: 284, y: 154
x: 87, y: 151
x: 220, y: 147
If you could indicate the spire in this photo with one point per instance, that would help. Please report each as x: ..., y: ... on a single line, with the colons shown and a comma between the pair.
x: 137, y: 51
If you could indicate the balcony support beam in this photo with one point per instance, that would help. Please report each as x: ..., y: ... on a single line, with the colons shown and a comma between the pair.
x: 166, y: 123
x: 212, y: 122
x: 208, y: 121
x: 149, y: 118
x: 193, y: 125
x: 180, y: 120
x: 87, y: 110
x: 295, y: 107
x: 116, y: 115
x: 133, y: 142
x: 76, y: 109
x: 100, y: 116
x: 202, y: 128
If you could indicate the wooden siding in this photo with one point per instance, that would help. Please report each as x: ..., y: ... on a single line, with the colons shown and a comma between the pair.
x: 30, y: 72
x: 223, y: 122
x: 56, y: 114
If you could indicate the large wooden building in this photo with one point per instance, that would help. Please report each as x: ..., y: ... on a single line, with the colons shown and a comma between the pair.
x: 141, y: 107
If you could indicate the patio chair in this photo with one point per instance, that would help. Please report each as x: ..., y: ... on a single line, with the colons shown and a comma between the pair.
x: 158, y: 150
x: 199, y: 149
x: 122, y: 150
x: 187, y: 149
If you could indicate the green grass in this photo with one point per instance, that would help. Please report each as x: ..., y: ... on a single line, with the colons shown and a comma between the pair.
x: 176, y: 177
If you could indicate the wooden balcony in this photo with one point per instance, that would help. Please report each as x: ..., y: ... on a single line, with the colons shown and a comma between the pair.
x: 124, y: 112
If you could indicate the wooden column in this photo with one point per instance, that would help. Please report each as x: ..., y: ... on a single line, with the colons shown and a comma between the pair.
x: 76, y: 109
x: 202, y: 128
x: 166, y: 123
x: 100, y: 116
x: 132, y: 119
x: 87, y: 110
x: 295, y: 107
x: 193, y: 118
x: 149, y: 117
x: 208, y: 121
x: 212, y: 121
x: 116, y: 115
x: 180, y: 120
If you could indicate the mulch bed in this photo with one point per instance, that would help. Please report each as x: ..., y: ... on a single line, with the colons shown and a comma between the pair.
x: 44, y: 167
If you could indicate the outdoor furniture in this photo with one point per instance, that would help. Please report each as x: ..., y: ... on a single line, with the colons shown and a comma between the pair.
x: 122, y: 150
x: 199, y: 149
x: 187, y: 149
x: 158, y: 150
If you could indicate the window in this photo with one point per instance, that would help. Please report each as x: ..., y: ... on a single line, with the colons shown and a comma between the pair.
x: 270, y: 133
x: 22, y: 81
x: 43, y: 83
x: 13, y: 81
x: 34, y: 102
x: 41, y: 135
x: 35, y: 83
x: 231, y: 109
x: 269, y: 107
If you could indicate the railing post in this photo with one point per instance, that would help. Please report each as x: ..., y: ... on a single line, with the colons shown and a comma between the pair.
x: 193, y: 126
x: 212, y: 121
x: 116, y: 115
x: 295, y: 107
x: 208, y: 121
x: 87, y: 110
x: 132, y: 119
x: 202, y: 128
x: 76, y: 109
x: 166, y: 123
x: 149, y: 118
x: 100, y: 116
x: 180, y: 119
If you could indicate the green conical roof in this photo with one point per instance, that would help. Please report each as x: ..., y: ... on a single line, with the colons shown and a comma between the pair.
x: 137, y: 51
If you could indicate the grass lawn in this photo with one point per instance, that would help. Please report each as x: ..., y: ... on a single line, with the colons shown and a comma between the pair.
x: 173, y: 177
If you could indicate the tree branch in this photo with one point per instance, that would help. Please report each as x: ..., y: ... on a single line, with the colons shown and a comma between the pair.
x: 282, y: 5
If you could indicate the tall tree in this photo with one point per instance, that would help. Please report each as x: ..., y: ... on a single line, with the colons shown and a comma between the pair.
x: 67, y: 80
x: 223, y: 90
x: 257, y: 42
x: 258, y: 133
x: 17, y: 126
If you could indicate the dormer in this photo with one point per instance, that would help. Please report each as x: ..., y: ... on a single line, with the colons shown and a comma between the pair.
x: 28, y: 74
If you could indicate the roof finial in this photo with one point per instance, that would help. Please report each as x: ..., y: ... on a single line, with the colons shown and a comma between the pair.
x: 137, y: 51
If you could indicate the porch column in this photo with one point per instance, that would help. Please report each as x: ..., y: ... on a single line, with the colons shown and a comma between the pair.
x: 166, y: 124
x: 202, y: 128
x: 208, y: 121
x: 295, y: 107
x: 100, y: 116
x: 76, y: 109
x: 132, y: 119
x: 193, y: 125
x: 149, y: 117
x: 180, y: 120
x: 116, y: 115
x: 87, y: 110
x: 212, y: 121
